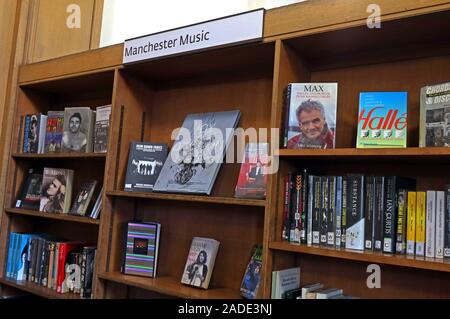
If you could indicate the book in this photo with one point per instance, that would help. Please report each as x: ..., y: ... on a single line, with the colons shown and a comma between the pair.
x: 200, y: 262
x: 355, y: 213
x: 435, y: 116
x: 440, y: 220
x: 252, y: 180
x: 420, y: 223
x: 141, y: 251
x: 56, y: 191
x: 87, y: 270
x: 83, y: 199
x: 369, y: 213
x: 310, y: 288
x: 311, y: 115
x: 430, y: 232
x: 285, y: 280
x: 30, y: 192
x: 402, y: 204
x: 101, y: 130
x: 198, y: 152
x: 54, y: 132
x: 78, y: 130
x: 411, y: 227
x: 252, y: 277
x: 379, y: 213
x: 145, y: 162
x: 328, y: 293
x: 382, y: 120
x: 34, y: 133
x: 447, y: 223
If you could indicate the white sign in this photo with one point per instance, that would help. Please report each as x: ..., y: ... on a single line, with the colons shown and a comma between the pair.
x: 245, y: 27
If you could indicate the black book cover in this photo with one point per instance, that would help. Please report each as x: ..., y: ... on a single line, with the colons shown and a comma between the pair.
x: 89, y: 274
x: 447, y: 223
x: 324, y: 210
x: 317, y: 210
x: 392, y: 185
x: 344, y: 211
x: 287, y: 206
x: 30, y: 193
x: 369, y: 213
x: 379, y: 209
x: 145, y: 162
x: 355, y: 212
x: 331, y: 219
x: 304, y: 210
x: 297, y: 207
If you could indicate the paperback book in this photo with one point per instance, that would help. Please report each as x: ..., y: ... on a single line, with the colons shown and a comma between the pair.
x: 83, y: 199
x: 145, y: 162
x: 310, y: 115
x: 30, y: 192
x: 54, y: 132
x: 102, y: 123
x: 252, y: 181
x: 252, y: 278
x: 56, y: 191
x: 382, y: 120
x: 78, y: 129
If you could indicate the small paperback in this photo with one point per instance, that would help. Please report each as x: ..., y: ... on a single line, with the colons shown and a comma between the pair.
x: 252, y: 180
x: 78, y: 130
x: 252, y: 278
x: 56, y: 192
x: 83, y: 199
x: 200, y: 262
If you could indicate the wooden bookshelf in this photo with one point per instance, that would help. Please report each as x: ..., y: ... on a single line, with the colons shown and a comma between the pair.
x: 190, y: 198
x: 37, y: 290
x: 64, y: 217
x: 442, y: 265
x: 150, y: 99
x: 170, y: 286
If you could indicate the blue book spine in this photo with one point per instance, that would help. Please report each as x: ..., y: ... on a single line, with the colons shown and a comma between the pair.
x: 25, y: 133
x: 12, y: 238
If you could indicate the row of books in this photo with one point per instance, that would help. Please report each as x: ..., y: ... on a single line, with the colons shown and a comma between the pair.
x: 286, y: 285
x: 60, y: 265
x: 377, y: 213
x: 151, y: 169
x: 76, y: 129
x: 50, y: 191
x: 140, y: 258
x: 311, y: 110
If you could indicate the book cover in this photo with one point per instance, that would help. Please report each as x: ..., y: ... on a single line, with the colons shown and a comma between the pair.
x: 382, y: 120
x: 56, y: 191
x: 323, y: 222
x: 355, y: 213
x: 31, y: 133
x: 252, y: 181
x: 317, y: 210
x: 379, y: 211
x: 331, y: 218
x: 145, y: 162
x: 30, y: 193
x: 369, y: 213
x: 200, y: 262
x: 102, y: 123
x: 54, y: 132
x: 296, y: 209
x: 310, y: 212
x: 421, y: 214
x: 430, y: 228
x: 435, y: 116
x: 311, y: 115
x: 285, y: 280
x: 287, y: 207
x: 88, y: 265
x: 401, y: 221
x: 83, y: 199
x: 447, y: 223
x: 339, y: 196
x: 141, y: 251
x: 440, y: 220
x: 411, y: 227
x: 344, y: 211
x: 252, y: 277
x: 78, y: 130
x: 195, y: 159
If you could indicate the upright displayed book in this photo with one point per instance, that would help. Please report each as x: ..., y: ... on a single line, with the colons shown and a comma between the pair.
x: 141, y: 251
x: 252, y: 278
x: 200, y: 262
x: 83, y: 199
x: 382, y: 120
x: 197, y: 154
x: 435, y: 116
x: 34, y: 133
x: 145, y: 162
x: 54, y: 132
x: 285, y: 280
x: 252, y: 181
x: 78, y: 130
x: 310, y: 115
x: 56, y: 191
x: 101, y: 133
x: 30, y: 192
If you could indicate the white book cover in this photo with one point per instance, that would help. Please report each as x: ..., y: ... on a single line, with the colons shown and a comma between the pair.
x: 440, y: 215
x: 42, y: 130
x: 430, y: 225
x: 285, y: 280
x: 310, y: 288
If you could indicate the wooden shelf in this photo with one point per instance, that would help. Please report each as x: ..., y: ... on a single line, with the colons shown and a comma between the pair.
x: 410, y: 153
x: 35, y: 289
x: 64, y: 217
x: 170, y: 286
x: 441, y: 265
x: 60, y: 156
x: 191, y: 198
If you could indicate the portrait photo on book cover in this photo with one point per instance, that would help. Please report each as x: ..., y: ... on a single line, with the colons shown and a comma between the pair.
x: 198, y: 270
x: 76, y: 127
x: 33, y: 134
x: 311, y: 126
x: 53, y: 194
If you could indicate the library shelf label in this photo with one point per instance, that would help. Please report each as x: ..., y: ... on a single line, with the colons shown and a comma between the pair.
x: 240, y: 28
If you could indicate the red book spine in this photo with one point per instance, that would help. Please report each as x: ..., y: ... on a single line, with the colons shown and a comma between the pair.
x: 61, y: 264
